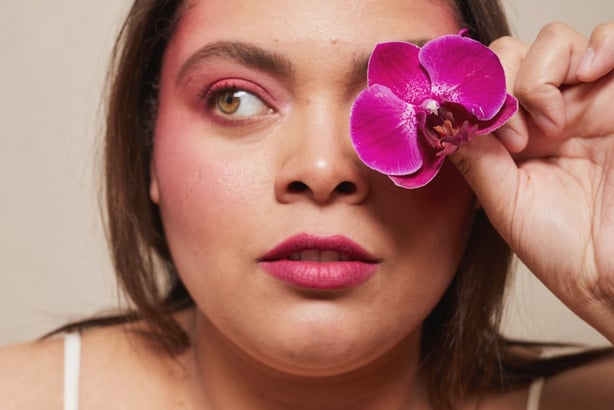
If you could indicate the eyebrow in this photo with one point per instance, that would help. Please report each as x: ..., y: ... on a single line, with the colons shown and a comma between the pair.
x: 246, y: 54
x: 274, y: 63
x: 419, y: 42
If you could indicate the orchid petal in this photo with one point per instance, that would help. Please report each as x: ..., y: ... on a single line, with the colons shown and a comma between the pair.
x: 466, y: 72
x: 510, y: 106
x: 430, y: 168
x: 384, y: 132
x: 396, y: 65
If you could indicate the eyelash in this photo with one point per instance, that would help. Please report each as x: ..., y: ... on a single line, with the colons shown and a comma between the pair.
x: 211, y: 95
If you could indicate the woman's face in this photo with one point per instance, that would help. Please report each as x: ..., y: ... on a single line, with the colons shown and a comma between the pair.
x: 295, y: 252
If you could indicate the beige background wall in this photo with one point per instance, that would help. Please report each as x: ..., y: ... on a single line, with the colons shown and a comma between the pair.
x: 53, y: 261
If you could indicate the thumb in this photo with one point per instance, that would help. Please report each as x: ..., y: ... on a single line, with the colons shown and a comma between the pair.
x: 492, y: 174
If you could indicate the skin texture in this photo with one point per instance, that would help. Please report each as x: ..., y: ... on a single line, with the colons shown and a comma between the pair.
x: 228, y: 193
x: 225, y: 191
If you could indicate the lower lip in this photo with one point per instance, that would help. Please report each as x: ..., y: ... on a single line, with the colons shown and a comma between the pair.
x: 320, y: 275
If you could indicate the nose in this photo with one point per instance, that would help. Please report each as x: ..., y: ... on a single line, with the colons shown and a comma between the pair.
x: 320, y: 165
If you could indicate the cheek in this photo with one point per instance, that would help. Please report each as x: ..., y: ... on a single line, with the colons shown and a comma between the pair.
x: 436, y: 218
x: 206, y: 193
x: 450, y: 205
x: 448, y: 226
x: 194, y: 189
x: 435, y: 231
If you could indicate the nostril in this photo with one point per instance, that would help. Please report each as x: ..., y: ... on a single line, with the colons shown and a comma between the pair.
x: 346, y: 187
x: 297, y: 187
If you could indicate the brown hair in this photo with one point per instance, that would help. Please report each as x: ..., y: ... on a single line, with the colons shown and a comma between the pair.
x: 462, y: 350
x: 138, y: 248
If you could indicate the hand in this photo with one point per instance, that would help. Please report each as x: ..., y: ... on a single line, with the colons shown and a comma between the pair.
x: 546, y: 179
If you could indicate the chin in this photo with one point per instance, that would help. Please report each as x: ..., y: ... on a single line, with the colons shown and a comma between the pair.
x: 329, y: 350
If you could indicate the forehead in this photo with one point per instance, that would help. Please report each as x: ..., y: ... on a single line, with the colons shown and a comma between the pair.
x: 301, y: 26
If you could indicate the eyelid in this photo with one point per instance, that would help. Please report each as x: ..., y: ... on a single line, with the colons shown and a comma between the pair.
x: 210, y: 93
x: 239, y: 85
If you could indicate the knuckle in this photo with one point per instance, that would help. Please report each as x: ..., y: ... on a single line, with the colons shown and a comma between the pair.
x: 509, y: 46
x: 511, y: 53
x: 554, y: 29
x: 503, y: 42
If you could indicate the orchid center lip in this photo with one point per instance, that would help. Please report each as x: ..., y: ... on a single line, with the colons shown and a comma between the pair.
x: 431, y: 105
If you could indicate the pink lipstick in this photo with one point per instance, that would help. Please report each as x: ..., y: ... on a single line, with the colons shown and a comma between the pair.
x: 316, y: 262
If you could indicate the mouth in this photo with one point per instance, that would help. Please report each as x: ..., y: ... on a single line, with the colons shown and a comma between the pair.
x: 316, y: 255
x: 315, y: 262
x: 310, y: 248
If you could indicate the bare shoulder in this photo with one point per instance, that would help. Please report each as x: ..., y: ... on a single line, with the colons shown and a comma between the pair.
x: 31, y: 375
x: 130, y: 365
x: 590, y: 386
x: 121, y: 362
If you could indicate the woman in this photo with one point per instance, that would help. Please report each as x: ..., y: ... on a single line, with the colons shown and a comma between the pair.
x: 271, y: 269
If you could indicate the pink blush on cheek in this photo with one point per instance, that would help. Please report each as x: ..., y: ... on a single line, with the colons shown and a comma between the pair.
x: 198, y: 206
x: 203, y: 178
x: 208, y: 188
x: 191, y: 184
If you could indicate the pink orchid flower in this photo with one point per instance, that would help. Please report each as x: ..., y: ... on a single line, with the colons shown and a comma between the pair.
x: 421, y: 104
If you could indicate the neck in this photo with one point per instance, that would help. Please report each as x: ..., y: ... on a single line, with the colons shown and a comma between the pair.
x: 230, y: 378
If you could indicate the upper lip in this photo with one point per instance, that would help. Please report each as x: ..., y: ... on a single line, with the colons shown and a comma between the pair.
x: 329, y: 248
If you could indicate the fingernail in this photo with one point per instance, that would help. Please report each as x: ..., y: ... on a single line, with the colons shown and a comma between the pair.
x: 511, y: 139
x: 586, y: 61
x: 545, y: 124
x: 507, y: 134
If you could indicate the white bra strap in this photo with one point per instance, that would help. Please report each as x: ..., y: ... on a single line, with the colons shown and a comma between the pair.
x: 72, y: 357
x: 535, y: 392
